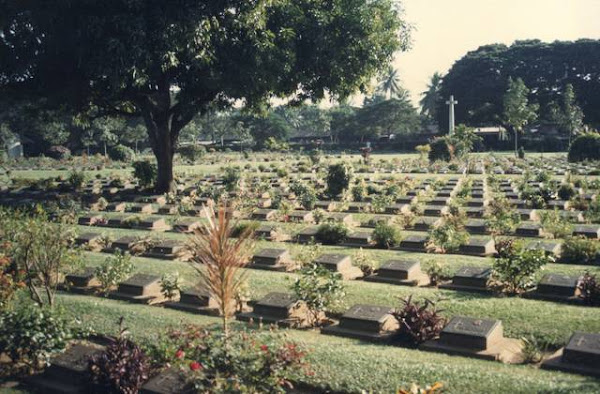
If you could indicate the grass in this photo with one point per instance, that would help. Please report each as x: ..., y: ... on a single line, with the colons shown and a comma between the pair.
x: 553, y: 322
x: 349, y: 365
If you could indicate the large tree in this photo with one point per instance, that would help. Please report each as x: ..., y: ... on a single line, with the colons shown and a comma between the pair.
x: 431, y: 97
x: 478, y: 79
x: 168, y: 61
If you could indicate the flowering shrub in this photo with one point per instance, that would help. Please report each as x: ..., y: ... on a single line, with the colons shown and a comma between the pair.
x: 30, y: 334
x: 248, y: 363
x: 11, y: 279
x: 590, y: 289
x: 514, y: 271
x: 320, y: 288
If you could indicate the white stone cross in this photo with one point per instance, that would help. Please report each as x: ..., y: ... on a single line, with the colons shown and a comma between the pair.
x: 451, y: 103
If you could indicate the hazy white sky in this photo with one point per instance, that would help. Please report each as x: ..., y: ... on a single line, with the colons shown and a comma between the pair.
x: 445, y: 30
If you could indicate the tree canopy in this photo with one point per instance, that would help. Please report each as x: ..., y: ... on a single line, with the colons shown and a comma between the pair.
x: 478, y: 79
x: 168, y: 61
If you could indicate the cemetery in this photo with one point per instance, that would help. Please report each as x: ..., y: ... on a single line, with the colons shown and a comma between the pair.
x: 243, y: 198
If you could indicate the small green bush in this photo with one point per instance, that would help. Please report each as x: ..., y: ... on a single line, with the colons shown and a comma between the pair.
x: 192, y: 153
x: 332, y: 233
x: 585, y: 147
x: 113, y: 270
x: 76, y: 179
x: 387, y: 236
x: 440, y: 150
x: 145, y: 172
x: 121, y: 153
x: 580, y: 250
x: 30, y: 334
x: 320, y: 288
x: 338, y: 179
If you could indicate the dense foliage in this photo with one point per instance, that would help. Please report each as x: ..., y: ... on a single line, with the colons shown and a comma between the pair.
x: 420, y: 321
x: 585, y: 147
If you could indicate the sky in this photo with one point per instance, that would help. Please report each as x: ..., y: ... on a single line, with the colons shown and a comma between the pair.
x: 445, y: 30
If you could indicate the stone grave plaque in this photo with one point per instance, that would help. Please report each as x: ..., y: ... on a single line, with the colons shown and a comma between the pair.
x: 186, y: 225
x: 345, y: 218
x: 399, y: 269
x: 116, y: 207
x: 441, y: 201
x: 90, y: 239
x: 141, y: 208
x: 116, y: 221
x: 82, y: 281
x: 334, y: 262
x: 357, y: 207
x: 125, y: 243
x: 67, y: 372
x: 397, y: 209
x: 362, y: 239
x: 264, y: 214
x: 426, y: 223
x: 168, y: 209
x: 558, y: 204
x: 301, y: 216
x: 400, y: 272
x: 414, y: 243
x: 573, y: 216
x: 584, y: 349
x: 140, y: 288
x: 528, y: 214
x: 553, y: 248
x: 435, y: 210
x: 406, y: 200
x: 272, y: 259
x: 168, y: 249
x: 558, y: 285
x: 589, y: 231
x: 377, y: 219
x: 477, y: 202
x: 166, y: 382
x: 326, y: 205
x: 277, y: 305
x: 476, y: 226
x: 307, y: 235
x: 89, y: 220
x: 474, y: 212
x: 370, y: 322
x: 478, y: 247
x: 529, y: 230
x: 472, y: 277
x: 470, y: 333
x: 152, y: 223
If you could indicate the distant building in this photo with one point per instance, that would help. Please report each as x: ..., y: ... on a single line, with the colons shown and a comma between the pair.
x: 492, y: 133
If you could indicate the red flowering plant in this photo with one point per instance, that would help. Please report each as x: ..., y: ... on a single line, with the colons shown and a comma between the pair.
x: 11, y: 278
x: 248, y: 362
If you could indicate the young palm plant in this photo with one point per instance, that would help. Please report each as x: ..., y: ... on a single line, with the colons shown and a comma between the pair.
x: 218, y: 259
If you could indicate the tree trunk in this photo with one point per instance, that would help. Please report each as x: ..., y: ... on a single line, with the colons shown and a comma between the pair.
x: 164, y: 152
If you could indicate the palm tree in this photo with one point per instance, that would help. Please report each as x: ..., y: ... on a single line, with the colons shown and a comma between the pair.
x: 431, y: 97
x: 389, y: 84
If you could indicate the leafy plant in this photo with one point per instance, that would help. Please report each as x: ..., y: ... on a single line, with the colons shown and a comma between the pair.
x: 554, y: 224
x: 113, y: 270
x: 170, y: 285
x: 250, y: 362
x: 43, y: 250
x: 11, y: 278
x: 365, y: 261
x: 501, y: 217
x: 231, y: 178
x: 76, y: 179
x: 332, y: 233
x: 579, y: 250
x: 440, y: 150
x: 320, y: 288
x: 514, y: 271
x: 308, y: 253
x: 387, y: 235
x: 218, y: 259
x: 533, y: 349
x: 447, y: 237
x: 338, y: 179
x: 122, y: 367
x: 437, y: 272
x: 420, y: 322
x: 590, y: 289
x: 145, y: 172
x: 30, y: 334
